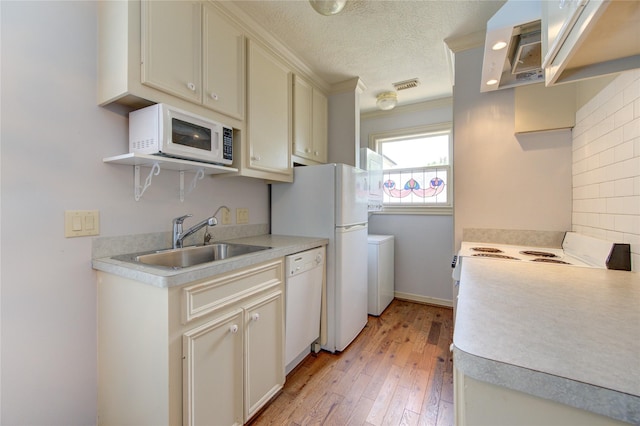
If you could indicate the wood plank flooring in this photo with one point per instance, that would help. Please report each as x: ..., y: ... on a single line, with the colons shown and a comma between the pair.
x: 398, y: 371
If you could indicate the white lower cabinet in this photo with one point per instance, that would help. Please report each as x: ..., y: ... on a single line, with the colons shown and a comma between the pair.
x: 264, y: 351
x: 210, y: 352
x: 213, y: 371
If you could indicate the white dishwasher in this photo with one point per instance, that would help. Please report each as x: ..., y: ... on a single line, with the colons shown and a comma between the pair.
x: 305, y: 278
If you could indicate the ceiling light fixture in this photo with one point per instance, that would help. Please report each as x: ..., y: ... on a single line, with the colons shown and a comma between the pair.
x: 328, y: 7
x: 386, y: 100
x: 499, y: 45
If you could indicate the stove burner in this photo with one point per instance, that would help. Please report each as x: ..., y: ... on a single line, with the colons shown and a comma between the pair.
x: 487, y: 249
x: 547, y: 260
x: 496, y: 256
x: 538, y: 253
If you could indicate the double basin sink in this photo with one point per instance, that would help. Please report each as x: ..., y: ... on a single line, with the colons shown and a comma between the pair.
x: 190, y: 256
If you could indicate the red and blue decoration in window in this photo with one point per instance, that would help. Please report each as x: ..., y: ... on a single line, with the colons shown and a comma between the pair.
x: 412, y: 186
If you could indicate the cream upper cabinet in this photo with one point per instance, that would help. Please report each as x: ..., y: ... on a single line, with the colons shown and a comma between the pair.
x: 207, y: 352
x: 267, y: 148
x: 223, y: 63
x: 199, y: 59
x: 310, y: 122
x: 320, y: 125
x: 189, y: 54
x: 582, y: 39
x: 540, y: 108
x: 172, y: 45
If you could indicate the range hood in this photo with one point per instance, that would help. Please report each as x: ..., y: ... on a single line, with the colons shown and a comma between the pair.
x: 513, y: 47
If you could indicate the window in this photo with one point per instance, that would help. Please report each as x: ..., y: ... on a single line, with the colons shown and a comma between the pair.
x: 416, y: 169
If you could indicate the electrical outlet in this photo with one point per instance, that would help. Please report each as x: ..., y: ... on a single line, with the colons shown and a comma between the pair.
x: 242, y: 216
x: 81, y: 223
x: 226, y: 217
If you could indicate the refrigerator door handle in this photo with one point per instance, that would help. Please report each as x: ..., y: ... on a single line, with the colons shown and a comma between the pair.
x: 351, y: 227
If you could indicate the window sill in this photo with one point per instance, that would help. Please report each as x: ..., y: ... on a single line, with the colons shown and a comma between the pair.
x: 427, y: 211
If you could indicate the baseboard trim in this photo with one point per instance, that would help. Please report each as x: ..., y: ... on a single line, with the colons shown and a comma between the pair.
x: 423, y: 299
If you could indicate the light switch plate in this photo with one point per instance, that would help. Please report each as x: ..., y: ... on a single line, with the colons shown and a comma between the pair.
x: 81, y: 223
x: 226, y: 217
x: 242, y: 216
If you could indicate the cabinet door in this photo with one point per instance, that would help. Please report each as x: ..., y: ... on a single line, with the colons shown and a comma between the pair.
x: 302, y: 118
x: 223, y: 60
x: 269, y: 112
x: 264, y: 349
x: 213, y: 371
x: 171, y: 47
x: 320, y: 124
x: 309, y: 122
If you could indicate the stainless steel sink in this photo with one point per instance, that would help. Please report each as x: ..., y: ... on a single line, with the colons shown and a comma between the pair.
x: 191, y: 256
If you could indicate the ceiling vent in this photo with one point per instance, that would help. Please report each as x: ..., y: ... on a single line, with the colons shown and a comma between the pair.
x: 407, y: 84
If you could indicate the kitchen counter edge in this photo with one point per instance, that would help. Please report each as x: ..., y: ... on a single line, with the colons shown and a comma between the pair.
x: 281, y: 245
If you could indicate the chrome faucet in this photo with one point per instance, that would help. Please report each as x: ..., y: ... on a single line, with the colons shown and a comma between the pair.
x: 179, y: 236
x: 220, y: 208
x: 207, y: 235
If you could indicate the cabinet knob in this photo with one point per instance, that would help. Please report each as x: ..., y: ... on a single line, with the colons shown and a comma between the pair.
x: 255, y: 316
x: 307, y: 150
x: 233, y: 329
x: 191, y: 87
x: 255, y: 158
x: 214, y: 96
x: 316, y: 153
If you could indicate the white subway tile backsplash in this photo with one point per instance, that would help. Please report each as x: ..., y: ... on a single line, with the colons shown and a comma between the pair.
x: 624, y: 169
x: 607, y: 221
x: 607, y: 189
x: 624, y: 151
x: 623, y: 187
x: 606, y: 125
x: 623, y: 205
x: 606, y: 164
x: 629, y: 224
x: 607, y: 157
x: 631, y: 129
x: 623, y: 115
x: 631, y: 93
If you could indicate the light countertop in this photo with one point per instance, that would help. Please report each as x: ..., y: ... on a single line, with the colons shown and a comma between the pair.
x: 570, y: 334
x: 281, y: 245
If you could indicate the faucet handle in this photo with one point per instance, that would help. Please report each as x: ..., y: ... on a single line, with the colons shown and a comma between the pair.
x: 179, y: 220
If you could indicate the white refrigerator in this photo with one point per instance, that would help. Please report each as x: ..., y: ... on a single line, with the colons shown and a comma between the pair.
x: 330, y: 201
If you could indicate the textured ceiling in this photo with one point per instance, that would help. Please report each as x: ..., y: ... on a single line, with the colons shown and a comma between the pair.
x: 380, y: 41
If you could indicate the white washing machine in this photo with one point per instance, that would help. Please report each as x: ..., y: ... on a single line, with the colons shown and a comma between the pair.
x: 380, y: 273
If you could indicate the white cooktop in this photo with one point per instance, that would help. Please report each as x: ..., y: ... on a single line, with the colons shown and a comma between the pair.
x: 506, y: 252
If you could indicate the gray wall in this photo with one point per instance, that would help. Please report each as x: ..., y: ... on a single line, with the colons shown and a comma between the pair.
x: 423, y: 243
x: 500, y: 180
x: 52, y: 143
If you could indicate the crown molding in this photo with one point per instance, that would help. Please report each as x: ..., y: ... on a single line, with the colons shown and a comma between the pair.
x: 466, y: 42
x: 255, y: 31
x: 351, y: 85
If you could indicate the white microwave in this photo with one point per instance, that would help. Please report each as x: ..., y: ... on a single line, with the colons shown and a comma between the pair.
x: 164, y: 130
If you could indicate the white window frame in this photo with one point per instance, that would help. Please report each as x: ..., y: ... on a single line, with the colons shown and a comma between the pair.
x: 375, y: 139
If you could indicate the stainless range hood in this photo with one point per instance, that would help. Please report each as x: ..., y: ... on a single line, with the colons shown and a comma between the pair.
x: 513, y: 48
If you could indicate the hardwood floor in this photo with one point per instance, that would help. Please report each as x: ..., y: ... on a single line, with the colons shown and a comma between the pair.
x: 398, y: 371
